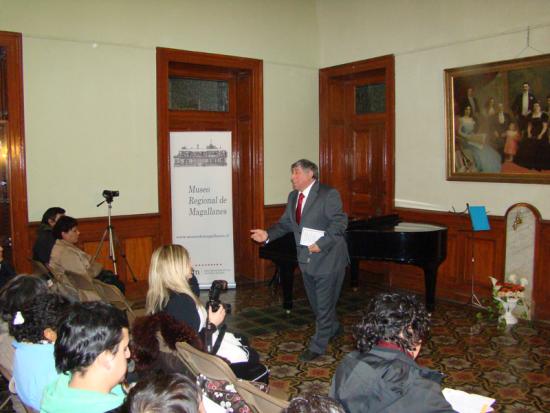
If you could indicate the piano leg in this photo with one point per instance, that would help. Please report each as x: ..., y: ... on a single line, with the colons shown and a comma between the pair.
x: 354, y: 273
x: 286, y: 272
x: 430, y: 278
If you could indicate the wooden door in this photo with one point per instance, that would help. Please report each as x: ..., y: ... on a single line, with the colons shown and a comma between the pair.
x: 357, y: 132
x: 242, y: 117
x: 13, y: 182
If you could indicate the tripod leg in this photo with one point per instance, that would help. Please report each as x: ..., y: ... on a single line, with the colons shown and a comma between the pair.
x: 117, y: 243
x: 100, y: 244
x: 112, y: 253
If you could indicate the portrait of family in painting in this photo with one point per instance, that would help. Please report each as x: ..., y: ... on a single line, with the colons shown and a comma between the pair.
x: 499, y: 116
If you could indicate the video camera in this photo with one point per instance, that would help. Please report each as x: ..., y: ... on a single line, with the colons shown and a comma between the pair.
x: 214, y: 296
x: 109, y: 194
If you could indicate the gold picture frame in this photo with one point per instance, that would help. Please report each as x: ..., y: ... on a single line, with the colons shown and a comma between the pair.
x: 495, y: 131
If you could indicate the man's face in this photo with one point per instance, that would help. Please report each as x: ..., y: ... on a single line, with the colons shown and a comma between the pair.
x: 53, y: 221
x: 470, y: 92
x: 301, y: 178
x: 71, y: 235
x: 120, y: 358
x: 526, y: 87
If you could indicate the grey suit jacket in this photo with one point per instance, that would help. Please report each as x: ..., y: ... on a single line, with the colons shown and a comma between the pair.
x: 322, y: 211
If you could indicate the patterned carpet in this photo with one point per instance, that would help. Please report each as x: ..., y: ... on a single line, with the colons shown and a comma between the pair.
x: 511, y: 365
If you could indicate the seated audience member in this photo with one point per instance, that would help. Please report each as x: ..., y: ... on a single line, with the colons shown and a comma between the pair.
x: 6, y: 271
x: 170, y: 291
x: 313, y: 403
x: 145, y: 347
x: 66, y: 256
x: 34, y: 329
x: 45, y: 240
x: 17, y: 291
x: 166, y: 393
x: 91, y: 353
x: 382, y: 375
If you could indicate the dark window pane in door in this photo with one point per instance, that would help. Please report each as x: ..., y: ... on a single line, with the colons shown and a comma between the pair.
x: 198, y: 94
x: 370, y: 99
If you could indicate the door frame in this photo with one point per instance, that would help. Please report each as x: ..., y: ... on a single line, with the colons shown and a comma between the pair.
x: 345, y: 73
x: 248, y: 165
x: 17, y: 175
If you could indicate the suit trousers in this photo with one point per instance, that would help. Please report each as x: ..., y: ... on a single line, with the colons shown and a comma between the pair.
x: 323, y: 291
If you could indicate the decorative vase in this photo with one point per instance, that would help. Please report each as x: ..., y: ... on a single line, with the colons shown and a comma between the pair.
x: 508, y: 307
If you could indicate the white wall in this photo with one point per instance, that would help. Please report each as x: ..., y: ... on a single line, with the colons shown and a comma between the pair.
x: 428, y: 36
x: 90, y: 90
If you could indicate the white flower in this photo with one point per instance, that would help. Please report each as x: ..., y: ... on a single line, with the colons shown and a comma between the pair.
x: 523, y: 281
x: 493, y: 281
x: 513, y: 278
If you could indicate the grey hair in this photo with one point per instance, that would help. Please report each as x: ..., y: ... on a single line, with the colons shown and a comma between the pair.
x: 306, y: 165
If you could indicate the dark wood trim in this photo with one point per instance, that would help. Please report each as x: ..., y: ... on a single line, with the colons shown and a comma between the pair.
x: 386, y: 66
x: 16, y: 150
x: 128, y: 229
x: 456, y: 273
x: 248, y: 164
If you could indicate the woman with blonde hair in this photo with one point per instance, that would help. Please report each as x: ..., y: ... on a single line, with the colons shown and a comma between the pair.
x: 173, y: 289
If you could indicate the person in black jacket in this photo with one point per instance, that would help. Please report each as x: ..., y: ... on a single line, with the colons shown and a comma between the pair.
x: 382, y: 375
x: 6, y: 271
x: 45, y: 240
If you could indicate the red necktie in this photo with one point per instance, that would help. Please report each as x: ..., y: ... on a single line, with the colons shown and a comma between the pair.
x: 299, y: 208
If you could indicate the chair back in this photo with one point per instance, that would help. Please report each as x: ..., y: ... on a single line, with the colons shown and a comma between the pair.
x: 39, y: 268
x: 262, y: 401
x: 209, y: 365
x: 84, y: 286
x: 111, y: 294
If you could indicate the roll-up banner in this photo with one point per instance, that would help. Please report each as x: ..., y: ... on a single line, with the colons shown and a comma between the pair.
x: 202, y: 206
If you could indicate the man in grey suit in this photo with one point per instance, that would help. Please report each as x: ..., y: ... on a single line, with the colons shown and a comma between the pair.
x: 313, y: 205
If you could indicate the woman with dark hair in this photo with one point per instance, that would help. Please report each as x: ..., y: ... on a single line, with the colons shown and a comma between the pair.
x: 66, y: 256
x: 382, y: 376
x: 15, y: 293
x: 486, y: 158
x: 145, y: 347
x: 532, y: 149
x: 313, y: 403
x: 34, y: 329
x: 167, y: 393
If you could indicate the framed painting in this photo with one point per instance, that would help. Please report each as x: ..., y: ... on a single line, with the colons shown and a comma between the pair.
x: 497, y: 121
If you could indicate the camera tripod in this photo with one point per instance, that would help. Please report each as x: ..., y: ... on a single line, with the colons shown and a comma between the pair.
x: 114, y: 242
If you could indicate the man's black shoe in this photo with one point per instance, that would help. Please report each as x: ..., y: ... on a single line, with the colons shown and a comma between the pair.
x: 308, y: 355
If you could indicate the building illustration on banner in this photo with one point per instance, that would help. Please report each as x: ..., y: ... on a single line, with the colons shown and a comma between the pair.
x: 209, y: 156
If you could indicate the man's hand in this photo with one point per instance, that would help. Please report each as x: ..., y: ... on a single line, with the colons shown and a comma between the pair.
x: 314, y: 248
x: 258, y: 235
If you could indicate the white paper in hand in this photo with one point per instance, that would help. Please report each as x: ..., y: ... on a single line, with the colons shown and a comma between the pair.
x: 464, y: 402
x: 310, y: 236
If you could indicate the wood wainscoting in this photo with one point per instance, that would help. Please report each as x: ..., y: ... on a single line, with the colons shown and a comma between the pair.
x: 470, y: 256
x: 139, y: 236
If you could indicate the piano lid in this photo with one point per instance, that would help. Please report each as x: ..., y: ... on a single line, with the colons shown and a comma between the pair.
x: 405, y: 227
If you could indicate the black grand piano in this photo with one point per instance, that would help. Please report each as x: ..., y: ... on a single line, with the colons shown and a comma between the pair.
x: 383, y: 238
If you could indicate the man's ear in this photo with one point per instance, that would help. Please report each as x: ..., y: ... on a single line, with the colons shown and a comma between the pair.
x: 50, y: 335
x: 105, y: 359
